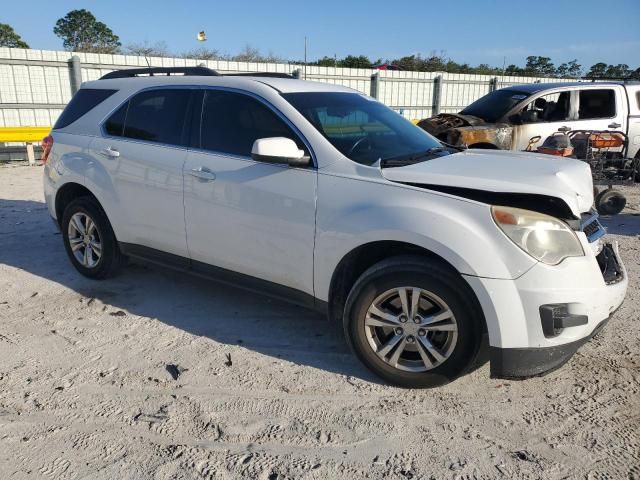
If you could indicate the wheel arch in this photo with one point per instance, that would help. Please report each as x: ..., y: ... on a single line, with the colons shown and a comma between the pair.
x: 358, y: 260
x: 69, y: 192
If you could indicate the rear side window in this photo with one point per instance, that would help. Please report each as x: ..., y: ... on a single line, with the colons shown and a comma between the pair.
x: 231, y: 122
x: 597, y: 104
x: 82, y: 102
x: 154, y: 115
x: 638, y: 98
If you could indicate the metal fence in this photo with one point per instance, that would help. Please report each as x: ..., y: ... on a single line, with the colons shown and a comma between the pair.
x: 35, y: 85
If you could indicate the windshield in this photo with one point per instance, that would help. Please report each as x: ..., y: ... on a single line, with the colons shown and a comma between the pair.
x: 361, y: 128
x: 494, y: 106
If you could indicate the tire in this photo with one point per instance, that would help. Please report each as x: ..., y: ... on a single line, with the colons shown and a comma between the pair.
x: 440, y: 288
x: 610, y: 202
x: 98, y: 263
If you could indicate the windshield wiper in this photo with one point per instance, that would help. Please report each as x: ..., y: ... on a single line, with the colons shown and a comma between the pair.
x: 404, y: 160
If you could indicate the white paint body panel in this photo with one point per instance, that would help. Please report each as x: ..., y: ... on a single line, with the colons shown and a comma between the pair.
x: 254, y: 218
x: 294, y: 226
x: 504, y: 171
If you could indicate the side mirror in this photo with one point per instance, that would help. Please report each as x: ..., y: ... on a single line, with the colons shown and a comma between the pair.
x: 516, y: 119
x: 530, y: 116
x: 279, y: 150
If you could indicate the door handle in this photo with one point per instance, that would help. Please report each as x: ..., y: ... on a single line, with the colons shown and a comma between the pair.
x: 564, y: 129
x: 109, y: 152
x: 614, y: 125
x: 203, y: 173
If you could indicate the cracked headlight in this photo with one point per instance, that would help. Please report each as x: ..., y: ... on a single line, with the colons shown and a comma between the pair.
x: 545, y: 238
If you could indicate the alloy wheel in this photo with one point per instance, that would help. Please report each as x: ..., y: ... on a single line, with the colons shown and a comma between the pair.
x: 84, y: 240
x: 411, y: 329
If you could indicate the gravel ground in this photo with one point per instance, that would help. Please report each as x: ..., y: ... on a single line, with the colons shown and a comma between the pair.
x: 156, y: 374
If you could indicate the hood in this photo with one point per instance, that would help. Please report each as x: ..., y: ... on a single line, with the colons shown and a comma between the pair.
x: 503, y: 177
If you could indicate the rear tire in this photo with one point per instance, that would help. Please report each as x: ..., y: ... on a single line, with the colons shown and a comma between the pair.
x: 610, y: 202
x: 89, y: 239
x: 427, y: 352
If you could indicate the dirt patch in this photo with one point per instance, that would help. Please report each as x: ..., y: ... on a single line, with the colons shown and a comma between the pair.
x: 159, y: 375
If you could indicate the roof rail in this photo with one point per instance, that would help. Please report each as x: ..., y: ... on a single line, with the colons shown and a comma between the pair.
x: 259, y: 74
x: 199, y: 71
x: 163, y: 71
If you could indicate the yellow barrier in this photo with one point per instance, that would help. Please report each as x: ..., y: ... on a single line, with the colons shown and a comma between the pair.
x: 23, y: 134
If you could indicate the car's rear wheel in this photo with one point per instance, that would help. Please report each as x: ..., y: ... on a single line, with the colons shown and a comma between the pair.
x: 89, y: 239
x: 413, y: 322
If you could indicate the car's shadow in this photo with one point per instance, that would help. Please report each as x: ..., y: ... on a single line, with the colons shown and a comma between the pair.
x: 30, y: 241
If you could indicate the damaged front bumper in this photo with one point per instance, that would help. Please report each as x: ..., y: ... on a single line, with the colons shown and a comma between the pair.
x: 538, y: 321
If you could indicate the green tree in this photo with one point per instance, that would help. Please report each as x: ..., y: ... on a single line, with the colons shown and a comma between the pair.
x: 597, y: 70
x: 539, y: 67
x: 80, y: 31
x: 514, y: 70
x: 351, y: 61
x: 9, y: 37
x: 326, y: 62
x: 621, y: 70
x: 570, y: 69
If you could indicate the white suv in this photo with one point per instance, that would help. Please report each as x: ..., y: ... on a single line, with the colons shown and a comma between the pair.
x: 324, y: 196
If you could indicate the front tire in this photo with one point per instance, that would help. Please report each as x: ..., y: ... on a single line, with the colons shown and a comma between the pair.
x: 89, y: 239
x: 414, y: 322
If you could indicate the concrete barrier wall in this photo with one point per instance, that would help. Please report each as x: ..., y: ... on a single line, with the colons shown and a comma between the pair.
x: 35, y: 85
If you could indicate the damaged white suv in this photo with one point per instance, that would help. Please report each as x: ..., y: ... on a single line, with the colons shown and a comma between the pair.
x: 324, y: 196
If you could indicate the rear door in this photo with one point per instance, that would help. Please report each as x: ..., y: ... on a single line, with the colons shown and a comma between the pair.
x: 243, y: 215
x: 601, y: 108
x: 143, y: 150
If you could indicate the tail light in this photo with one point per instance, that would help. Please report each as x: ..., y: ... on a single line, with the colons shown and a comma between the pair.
x: 47, y: 145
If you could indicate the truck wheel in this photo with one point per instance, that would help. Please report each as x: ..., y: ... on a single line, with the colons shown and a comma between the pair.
x: 414, y: 322
x: 89, y: 239
x: 610, y: 202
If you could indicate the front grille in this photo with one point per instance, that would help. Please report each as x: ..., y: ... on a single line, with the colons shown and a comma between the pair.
x: 591, y: 227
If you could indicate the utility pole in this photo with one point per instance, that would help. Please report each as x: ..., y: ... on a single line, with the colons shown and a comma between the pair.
x: 305, y: 57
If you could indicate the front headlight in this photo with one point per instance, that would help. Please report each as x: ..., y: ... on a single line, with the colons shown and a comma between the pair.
x: 545, y: 238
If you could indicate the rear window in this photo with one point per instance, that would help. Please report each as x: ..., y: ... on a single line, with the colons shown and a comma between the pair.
x: 81, y: 103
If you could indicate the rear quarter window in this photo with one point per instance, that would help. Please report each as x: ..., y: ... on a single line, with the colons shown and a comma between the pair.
x: 82, y: 102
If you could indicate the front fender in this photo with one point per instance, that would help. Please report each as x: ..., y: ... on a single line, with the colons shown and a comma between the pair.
x: 353, y: 213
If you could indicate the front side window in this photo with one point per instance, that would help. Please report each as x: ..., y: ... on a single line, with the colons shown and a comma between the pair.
x: 594, y: 104
x: 553, y: 107
x: 231, y: 122
x: 153, y: 115
x: 361, y: 128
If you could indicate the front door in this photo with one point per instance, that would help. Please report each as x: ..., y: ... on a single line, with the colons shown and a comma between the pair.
x: 243, y: 215
x: 542, y: 117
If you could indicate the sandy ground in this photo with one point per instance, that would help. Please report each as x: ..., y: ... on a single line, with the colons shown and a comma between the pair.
x: 265, y: 390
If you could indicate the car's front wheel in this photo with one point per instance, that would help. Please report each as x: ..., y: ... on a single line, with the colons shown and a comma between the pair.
x: 89, y: 239
x: 414, y: 322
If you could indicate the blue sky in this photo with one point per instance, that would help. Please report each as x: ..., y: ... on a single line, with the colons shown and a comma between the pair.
x: 468, y: 31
